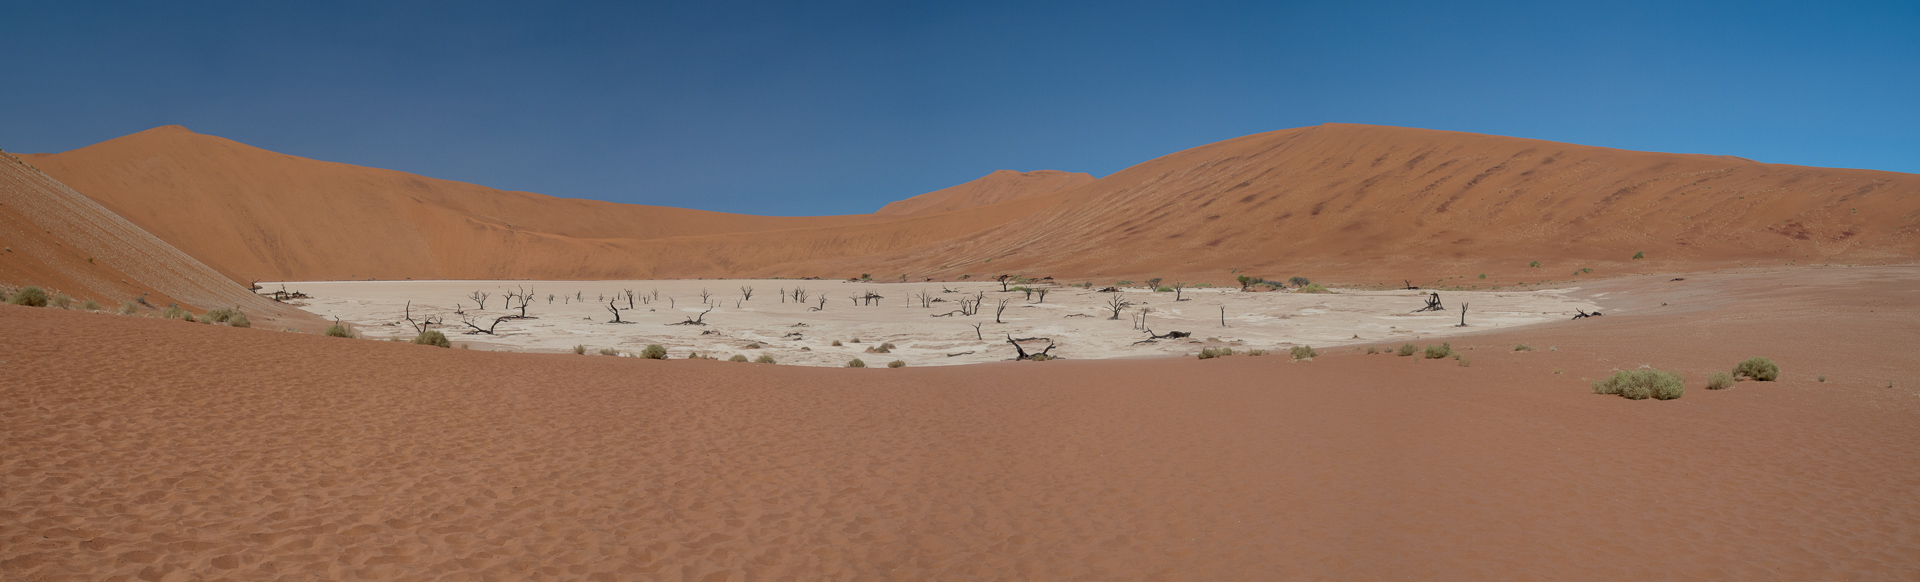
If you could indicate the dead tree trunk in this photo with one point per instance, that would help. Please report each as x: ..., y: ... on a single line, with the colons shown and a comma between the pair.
x: 976, y: 331
x: 746, y: 293
x: 480, y: 298
x: 1177, y: 288
x: 487, y: 330
x: 704, y: 294
x: 1023, y: 355
x: 823, y: 304
x: 1433, y: 304
x: 1043, y: 294
x: 1117, y: 304
x: 695, y: 320
x: 1463, y: 315
x: 1223, y: 316
x: 615, y: 309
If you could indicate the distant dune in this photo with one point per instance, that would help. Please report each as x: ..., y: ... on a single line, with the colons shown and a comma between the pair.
x: 1000, y: 186
x: 64, y: 242
x: 1336, y: 202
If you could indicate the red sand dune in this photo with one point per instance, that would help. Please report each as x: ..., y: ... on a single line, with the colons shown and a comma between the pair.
x: 62, y: 241
x: 159, y: 450
x: 1000, y: 186
x: 1337, y: 202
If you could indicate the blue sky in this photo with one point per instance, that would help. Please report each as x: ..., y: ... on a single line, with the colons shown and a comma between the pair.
x: 838, y: 108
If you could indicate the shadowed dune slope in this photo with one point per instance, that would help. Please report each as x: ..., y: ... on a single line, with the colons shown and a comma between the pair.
x: 1000, y: 186
x: 1338, y: 202
x: 296, y: 456
x: 64, y: 242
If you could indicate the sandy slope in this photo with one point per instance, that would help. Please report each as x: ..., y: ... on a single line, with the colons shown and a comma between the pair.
x: 169, y: 451
x: 1000, y: 186
x: 1336, y: 202
x: 62, y: 241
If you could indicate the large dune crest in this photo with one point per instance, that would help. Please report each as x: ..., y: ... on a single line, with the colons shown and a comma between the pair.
x: 1342, y: 202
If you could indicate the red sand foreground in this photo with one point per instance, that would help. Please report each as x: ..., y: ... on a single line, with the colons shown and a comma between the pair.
x: 160, y: 450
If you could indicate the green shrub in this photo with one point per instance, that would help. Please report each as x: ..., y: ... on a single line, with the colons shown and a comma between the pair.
x: 763, y: 359
x: 337, y: 330
x: 1439, y: 351
x: 1535, y: 264
x: 1822, y: 378
x: 1163, y: 290
x: 1522, y: 348
x: 1640, y: 255
x: 1298, y: 281
x: 432, y: 338
x: 129, y: 308
x: 897, y: 364
x: 1642, y: 384
x: 1757, y: 368
x: 609, y: 352
x: 856, y: 363
x: 29, y: 296
x: 61, y: 300
x: 737, y: 358
x: 1312, y: 288
x: 1407, y: 350
x: 1040, y: 358
x: 1303, y: 352
x: 91, y: 305
x: 654, y: 352
x: 579, y: 349
x: 239, y: 319
x: 1719, y: 381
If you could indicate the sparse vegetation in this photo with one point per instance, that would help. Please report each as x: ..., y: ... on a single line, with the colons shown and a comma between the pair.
x: 856, y: 363
x: 579, y: 350
x: 1642, y: 384
x: 1822, y: 378
x: 1303, y: 352
x: 763, y: 359
x: 91, y: 305
x: 1719, y: 381
x: 1522, y: 348
x: 897, y: 364
x: 432, y: 337
x: 654, y: 352
x: 609, y: 352
x: 29, y: 296
x: 61, y: 300
x: 1372, y: 350
x: 1312, y: 288
x: 129, y: 308
x: 1535, y: 264
x: 1210, y: 353
x: 1640, y: 255
x: 737, y: 358
x: 335, y: 330
x: 1039, y: 358
x: 1464, y: 362
x: 173, y: 311
x: 1298, y: 281
x: 1407, y: 350
x: 1439, y: 351
x: 1757, y: 368
x: 1256, y: 352
x: 836, y: 343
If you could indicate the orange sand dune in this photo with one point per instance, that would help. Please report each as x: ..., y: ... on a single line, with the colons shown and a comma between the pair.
x: 60, y: 240
x: 160, y: 450
x: 1337, y: 202
x: 1000, y: 186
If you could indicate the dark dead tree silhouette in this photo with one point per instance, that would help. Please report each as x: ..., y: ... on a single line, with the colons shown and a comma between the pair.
x: 746, y: 292
x: 469, y: 320
x: 1023, y: 355
x: 695, y: 320
x: 479, y: 297
x: 1002, y: 308
x: 1118, y: 303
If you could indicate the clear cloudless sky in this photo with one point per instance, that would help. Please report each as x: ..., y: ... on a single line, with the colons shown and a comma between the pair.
x: 798, y: 108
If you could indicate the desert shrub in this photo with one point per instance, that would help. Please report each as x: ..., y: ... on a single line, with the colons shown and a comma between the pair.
x: 29, y: 296
x: 1407, y: 349
x: 654, y: 352
x: 1719, y: 381
x: 1209, y: 353
x: 3, y: 294
x: 609, y: 352
x: 897, y: 364
x: 1822, y: 378
x: 1298, y: 281
x: 763, y: 359
x: 1303, y: 352
x: 836, y: 343
x: 1122, y: 283
x: 337, y: 330
x: 1535, y: 264
x: 737, y: 358
x: 1522, y: 348
x: 432, y: 338
x: 1757, y: 368
x: 226, y: 316
x: 1373, y: 350
x: 239, y: 319
x: 1642, y: 384
x: 693, y: 355
x: 91, y: 305
x: 753, y: 346
x: 1163, y: 289
x: 1256, y: 352
x: 1464, y: 362
x: 579, y: 350
x: 1439, y: 351
x: 1019, y: 289
x: 886, y: 346
x: 173, y: 311
x: 129, y: 308
x: 1312, y: 288
x: 856, y: 363
x: 61, y: 300
x: 1040, y: 358
x: 1640, y: 255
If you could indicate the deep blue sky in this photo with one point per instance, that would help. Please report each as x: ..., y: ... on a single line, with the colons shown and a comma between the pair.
x: 817, y: 108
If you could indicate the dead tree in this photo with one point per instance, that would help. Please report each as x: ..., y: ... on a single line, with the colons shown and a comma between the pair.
x: 1004, y: 281
x: 1223, y: 316
x: 1141, y: 322
x: 1108, y: 290
x: 1001, y: 309
x: 704, y: 294
x: 579, y: 295
x: 871, y: 298
x: 479, y: 297
x: 1463, y: 315
x: 1410, y: 285
x: 629, y: 293
x: 783, y: 294
x: 926, y: 300
x: 616, y: 310
x: 1433, y: 304
x: 1177, y: 288
x: 695, y: 320
x: 746, y: 292
x: 1583, y: 313
x: 1028, y: 291
x: 823, y: 304
x: 486, y: 330
x: 424, y: 324
x: 976, y: 331
x: 1117, y: 304
x: 526, y: 297
x: 1023, y: 352
x: 549, y: 299
x: 799, y: 295
x: 1043, y: 294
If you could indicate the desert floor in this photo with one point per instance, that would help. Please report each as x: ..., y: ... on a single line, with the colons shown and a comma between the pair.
x: 149, y: 449
x: 571, y: 313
